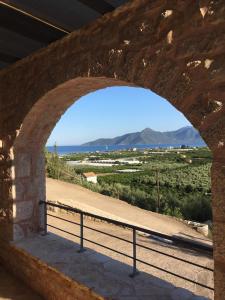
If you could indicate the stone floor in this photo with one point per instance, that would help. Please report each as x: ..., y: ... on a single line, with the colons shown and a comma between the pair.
x: 107, y: 273
x: 12, y: 288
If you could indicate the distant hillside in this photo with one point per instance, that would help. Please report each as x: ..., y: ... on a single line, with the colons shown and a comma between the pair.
x: 186, y: 135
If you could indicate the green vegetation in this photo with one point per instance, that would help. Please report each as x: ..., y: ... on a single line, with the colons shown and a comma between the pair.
x: 175, y: 183
x: 58, y: 169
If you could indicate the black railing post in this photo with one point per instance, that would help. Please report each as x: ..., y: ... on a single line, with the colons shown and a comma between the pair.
x: 135, y: 271
x: 45, y: 229
x: 44, y: 232
x: 82, y: 249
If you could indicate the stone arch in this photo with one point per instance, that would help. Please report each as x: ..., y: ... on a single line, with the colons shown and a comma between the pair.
x: 29, y: 163
x: 151, y: 44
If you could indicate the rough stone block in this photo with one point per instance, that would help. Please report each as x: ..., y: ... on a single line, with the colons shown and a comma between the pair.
x: 23, y: 167
x: 23, y: 210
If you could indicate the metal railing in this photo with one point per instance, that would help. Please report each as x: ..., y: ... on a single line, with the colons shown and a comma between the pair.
x: 177, y: 241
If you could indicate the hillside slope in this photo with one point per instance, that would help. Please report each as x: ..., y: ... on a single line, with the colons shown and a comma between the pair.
x: 76, y: 196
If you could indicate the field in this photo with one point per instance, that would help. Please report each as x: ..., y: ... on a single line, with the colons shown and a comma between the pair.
x: 173, y: 182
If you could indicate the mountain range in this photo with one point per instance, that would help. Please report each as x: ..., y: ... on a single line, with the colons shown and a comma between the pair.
x: 186, y: 135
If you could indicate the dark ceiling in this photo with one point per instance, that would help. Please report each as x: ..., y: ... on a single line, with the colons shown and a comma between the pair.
x: 28, y: 25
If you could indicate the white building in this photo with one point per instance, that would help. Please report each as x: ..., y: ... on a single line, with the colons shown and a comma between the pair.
x: 90, y: 177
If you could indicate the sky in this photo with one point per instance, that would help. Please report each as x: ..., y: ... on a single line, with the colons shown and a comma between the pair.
x: 115, y: 111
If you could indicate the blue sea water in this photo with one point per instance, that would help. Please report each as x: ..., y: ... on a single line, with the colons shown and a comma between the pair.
x: 62, y: 150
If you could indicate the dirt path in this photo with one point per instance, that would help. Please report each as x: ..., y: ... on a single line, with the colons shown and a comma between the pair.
x: 79, y: 197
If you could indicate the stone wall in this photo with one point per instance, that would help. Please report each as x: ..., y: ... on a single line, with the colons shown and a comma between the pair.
x: 173, y: 47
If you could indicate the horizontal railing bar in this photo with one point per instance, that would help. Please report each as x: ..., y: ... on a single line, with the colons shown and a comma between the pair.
x: 137, y: 244
x: 90, y: 241
x: 139, y: 260
x: 109, y: 234
x: 94, y: 229
x: 188, y: 244
x: 108, y: 248
x: 174, y: 274
x: 174, y: 257
x: 147, y: 248
x: 75, y: 223
x: 64, y: 231
x: 151, y: 249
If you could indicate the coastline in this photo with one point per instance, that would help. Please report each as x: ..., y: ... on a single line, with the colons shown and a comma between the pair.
x: 63, y: 150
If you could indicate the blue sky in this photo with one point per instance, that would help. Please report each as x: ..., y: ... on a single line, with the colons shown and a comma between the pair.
x: 115, y: 111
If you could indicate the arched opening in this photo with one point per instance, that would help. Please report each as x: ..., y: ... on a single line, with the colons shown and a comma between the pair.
x: 29, y: 169
x: 123, y: 120
x: 30, y: 161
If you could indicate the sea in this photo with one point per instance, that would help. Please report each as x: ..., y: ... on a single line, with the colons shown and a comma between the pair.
x: 64, y: 150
